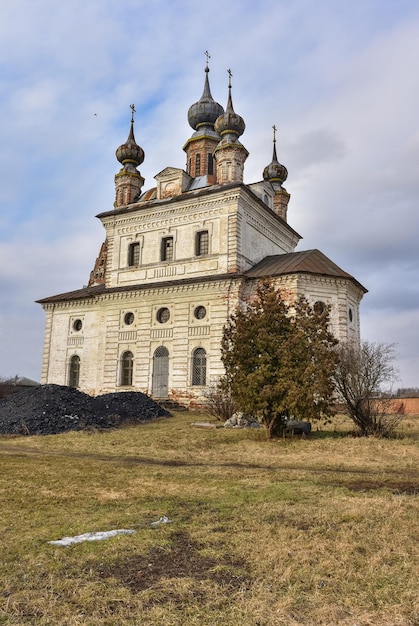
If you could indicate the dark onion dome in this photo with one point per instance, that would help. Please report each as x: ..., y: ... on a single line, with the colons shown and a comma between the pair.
x: 206, y: 110
x: 130, y: 151
x: 230, y: 122
x: 275, y: 172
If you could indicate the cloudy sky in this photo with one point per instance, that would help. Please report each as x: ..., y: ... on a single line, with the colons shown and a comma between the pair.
x: 339, y: 79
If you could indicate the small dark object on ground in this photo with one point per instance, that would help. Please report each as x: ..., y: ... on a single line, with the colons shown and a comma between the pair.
x: 52, y: 409
x: 298, y: 428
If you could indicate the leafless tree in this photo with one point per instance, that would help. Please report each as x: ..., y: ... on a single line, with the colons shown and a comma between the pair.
x: 362, y: 371
x: 219, y: 401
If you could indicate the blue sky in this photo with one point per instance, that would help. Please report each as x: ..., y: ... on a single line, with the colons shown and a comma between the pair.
x: 338, y: 79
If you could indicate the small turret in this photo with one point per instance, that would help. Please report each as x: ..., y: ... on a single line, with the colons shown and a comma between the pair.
x: 128, y: 181
x: 230, y: 154
x: 276, y: 174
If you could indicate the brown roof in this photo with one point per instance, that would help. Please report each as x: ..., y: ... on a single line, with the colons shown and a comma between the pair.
x: 307, y: 262
x: 98, y: 290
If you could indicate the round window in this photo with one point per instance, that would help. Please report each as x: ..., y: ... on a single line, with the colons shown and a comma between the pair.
x: 319, y: 307
x: 77, y: 325
x: 163, y: 315
x: 200, y: 312
x: 129, y: 318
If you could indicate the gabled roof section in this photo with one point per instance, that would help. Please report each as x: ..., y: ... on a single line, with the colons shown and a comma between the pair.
x: 169, y: 171
x: 306, y: 262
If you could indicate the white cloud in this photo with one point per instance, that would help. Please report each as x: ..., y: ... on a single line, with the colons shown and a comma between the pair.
x: 336, y: 79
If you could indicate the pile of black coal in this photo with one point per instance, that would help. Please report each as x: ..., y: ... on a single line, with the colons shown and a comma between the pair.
x: 52, y: 409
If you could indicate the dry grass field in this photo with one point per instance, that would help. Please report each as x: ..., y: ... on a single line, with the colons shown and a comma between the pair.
x: 316, y: 531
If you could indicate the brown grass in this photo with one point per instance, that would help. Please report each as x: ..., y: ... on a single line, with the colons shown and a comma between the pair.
x: 314, y: 531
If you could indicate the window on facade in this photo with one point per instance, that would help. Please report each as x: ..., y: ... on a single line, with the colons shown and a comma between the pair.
x: 199, y: 367
x: 200, y: 312
x: 77, y: 325
x: 202, y: 242
x: 127, y: 366
x: 210, y: 163
x: 197, y: 165
x: 129, y: 318
x: 74, y: 371
x: 134, y: 254
x: 167, y: 249
x: 163, y: 315
x: 319, y: 307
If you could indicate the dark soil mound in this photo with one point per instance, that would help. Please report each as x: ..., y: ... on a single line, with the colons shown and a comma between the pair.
x: 52, y: 409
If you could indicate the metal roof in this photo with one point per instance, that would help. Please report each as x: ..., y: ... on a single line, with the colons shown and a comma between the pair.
x: 98, y: 290
x: 306, y: 262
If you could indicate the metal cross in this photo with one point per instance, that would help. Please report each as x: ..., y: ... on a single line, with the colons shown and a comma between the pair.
x: 132, y: 107
x: 208, y: 56
x: 229, y: 77
x: 274, y: 127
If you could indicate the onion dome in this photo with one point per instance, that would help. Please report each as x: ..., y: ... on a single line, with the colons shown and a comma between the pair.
x: 229, y: 122
x: 206, y: 110
x: 128, y: 181
x: 275, y: 172
x: 130, y: 153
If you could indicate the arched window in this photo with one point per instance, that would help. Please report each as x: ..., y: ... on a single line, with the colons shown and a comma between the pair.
x: 210, y: 163
x: 74, y: 371
x: 197, y: 165
x: 199, y: 367
x: 127, y: 366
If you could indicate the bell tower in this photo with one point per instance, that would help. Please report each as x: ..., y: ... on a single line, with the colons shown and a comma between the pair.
x: 200, y: 147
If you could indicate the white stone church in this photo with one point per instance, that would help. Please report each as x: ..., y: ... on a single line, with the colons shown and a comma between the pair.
x: 177, y: 261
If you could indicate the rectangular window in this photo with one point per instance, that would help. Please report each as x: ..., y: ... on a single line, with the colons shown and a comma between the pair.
x: 167, y: 249
x: 198, y: 165
x: 134, y: 254
x: 202, y: 243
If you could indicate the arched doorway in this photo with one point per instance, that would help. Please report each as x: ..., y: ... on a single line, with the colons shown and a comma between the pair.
x: 160, y: 382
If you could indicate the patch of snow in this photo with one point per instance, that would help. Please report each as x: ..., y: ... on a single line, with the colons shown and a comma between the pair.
x: 162, y: 520
x: 94, y: 536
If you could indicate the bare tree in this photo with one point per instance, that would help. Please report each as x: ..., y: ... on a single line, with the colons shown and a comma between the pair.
x: 362, y: 371
x: 219, y: 401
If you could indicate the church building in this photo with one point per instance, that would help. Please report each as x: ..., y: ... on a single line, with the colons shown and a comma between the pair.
x: 177, y: 261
